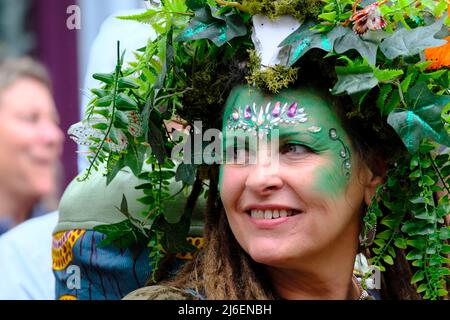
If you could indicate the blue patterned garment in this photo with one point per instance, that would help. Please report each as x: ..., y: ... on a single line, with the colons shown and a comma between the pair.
x: 84, y: 271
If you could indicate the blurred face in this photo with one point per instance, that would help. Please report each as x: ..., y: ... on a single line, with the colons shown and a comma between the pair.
x: 302, y: 196
x: 30, y: 139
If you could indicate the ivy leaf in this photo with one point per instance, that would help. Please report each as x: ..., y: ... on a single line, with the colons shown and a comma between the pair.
x: 366, y: 45
x: 354, y: 78
x: 444, y: 233
x: 123, y: 235
x: 174, y: 238
x: 385, y: 75
x: 155, y: 137
x: 134, y: 158
x: 405, y: 42
x: 304, y: 39
x: 186, y: 173
x: 388, y: 260
x: 209, y: 24
x: 418, y: 276
x: 423, y: 120
x: 400, y: 243
x: 112, y: 172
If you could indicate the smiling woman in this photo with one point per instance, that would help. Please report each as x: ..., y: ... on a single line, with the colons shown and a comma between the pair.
x: 30, y: 140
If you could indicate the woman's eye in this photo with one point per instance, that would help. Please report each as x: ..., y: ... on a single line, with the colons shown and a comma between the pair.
x: 294, y: 149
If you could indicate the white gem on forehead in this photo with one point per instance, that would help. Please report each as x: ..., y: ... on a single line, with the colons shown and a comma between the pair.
x: 314, y: 129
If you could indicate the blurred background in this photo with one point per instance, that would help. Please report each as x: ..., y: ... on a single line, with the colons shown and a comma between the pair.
x: 60, y: 34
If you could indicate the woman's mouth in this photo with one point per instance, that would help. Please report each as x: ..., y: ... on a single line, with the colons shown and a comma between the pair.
x: 269, y: 214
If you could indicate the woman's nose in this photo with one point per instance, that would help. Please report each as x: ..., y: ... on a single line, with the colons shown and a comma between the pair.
x: 264, y: 176
x: 51, y: 134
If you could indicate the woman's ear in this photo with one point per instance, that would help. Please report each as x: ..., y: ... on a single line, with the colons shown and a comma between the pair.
x: 372, y: 182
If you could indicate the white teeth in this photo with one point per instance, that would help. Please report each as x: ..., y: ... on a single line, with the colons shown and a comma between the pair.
x: 271, y: 214
x: 260, y: 214
x: 276, y: 214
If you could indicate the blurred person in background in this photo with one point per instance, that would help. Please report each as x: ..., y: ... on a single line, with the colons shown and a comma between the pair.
x: 30, y: 172
x: 30, y: 143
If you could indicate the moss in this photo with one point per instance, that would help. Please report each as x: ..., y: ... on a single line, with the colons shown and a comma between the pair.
x: 300, y: 9
x: 272, y: 79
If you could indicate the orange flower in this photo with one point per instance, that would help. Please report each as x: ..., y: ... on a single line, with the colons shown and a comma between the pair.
x: 439, y: 55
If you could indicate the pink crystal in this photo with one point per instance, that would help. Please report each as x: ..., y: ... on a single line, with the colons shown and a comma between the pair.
x: 235, y: 115
x: 247, y: 113
x: 292, y: 110
x: 276, y: 109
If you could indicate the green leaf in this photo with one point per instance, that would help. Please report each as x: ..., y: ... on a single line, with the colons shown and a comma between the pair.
x: 416, y: 243
x: 148, y: 200
x: 400, y: 243
x: 405, y: 42
x: 155, y: 138
x: 120, y: 120
x: 104, y: 101
x: 385, y: 90
x: 418, y: 276
x: 100, y: 126
x: 304, y: 39
x: 442, y: 293
x: 422, y: 288
x: 385, y: 234
x: 404, y: 85
x: 385, y: 75
x: 423, y: 120
x: 427, y: 181
x: 123, y: 235
x: 366, y: 45
x: 415, y: 174
x: 195, y: 4
x: 186, y: 173
x: 352, y: 79
x: 444, y: 233
x: 446, y: 249
x: 148, y: 186
x: 208, y: 23
x: 414, y: 255
x: 125, y: 103
x: 100, y: 93
x: 127, y: 83
x: 391, y: 221
x: 388, y: 260
x: 107, y: 78
x: 134, y: 159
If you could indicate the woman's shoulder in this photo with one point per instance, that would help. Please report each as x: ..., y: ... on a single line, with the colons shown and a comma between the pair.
x: 160, y: 292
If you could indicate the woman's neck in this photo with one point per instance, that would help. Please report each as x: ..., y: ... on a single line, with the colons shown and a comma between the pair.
x: 15, y: 206
x: 328, y: 277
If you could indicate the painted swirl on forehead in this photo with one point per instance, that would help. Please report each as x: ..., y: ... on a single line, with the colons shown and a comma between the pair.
x: 303, y: 115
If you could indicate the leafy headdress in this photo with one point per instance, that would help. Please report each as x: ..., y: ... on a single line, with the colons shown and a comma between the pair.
x: 391, y: 58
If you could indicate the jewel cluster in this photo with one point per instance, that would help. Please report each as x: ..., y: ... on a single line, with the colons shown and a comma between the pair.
x: 261, y: 121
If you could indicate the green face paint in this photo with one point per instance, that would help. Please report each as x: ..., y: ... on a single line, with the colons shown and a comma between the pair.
x: 301, y: 116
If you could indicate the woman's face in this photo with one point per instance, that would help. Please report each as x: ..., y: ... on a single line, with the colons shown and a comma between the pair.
x: 30, y: 139
x: 302, y: 196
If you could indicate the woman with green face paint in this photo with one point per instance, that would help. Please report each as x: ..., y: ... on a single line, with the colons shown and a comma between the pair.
x: 296, y: 209
x: 293, y: 190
